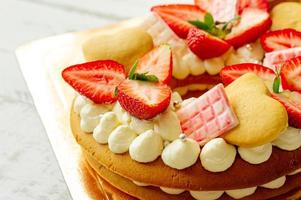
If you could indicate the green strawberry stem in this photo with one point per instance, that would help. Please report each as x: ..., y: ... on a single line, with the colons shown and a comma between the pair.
x: 133, y: 69
x: 277, y: 80
x: 276, y: 85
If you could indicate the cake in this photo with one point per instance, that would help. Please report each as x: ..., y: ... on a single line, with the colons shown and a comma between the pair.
x: 196, y: 102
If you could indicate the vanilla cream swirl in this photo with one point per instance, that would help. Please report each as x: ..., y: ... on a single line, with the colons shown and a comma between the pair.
x: 206, y: 195
x: 290, y: 140
x: 256, y: 155
x: 147, y: 147
x: 181, y: 153
x: 217, y: 155
x: 240, y: 193
x: 275, y: 184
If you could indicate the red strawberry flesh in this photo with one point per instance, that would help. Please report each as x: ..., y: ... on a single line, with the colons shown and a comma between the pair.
x: 157, y: 62
x: 96, y: 80
x: 231, y: 73
x: 252, y: 25
x: 204, y: 45
x: 143, y: 100
x: 204, y: 4
x: 292, y: 102
x: 221, y: 10
x: 260, y: 4
x: 291, y: 74
x: 280, y: 40
x: 240, y: 5
x: 177, y: 16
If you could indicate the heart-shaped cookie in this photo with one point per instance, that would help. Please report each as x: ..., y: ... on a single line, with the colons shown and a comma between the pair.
x: 124, y: 46
x: 286, y: 15
x: 261, y: 118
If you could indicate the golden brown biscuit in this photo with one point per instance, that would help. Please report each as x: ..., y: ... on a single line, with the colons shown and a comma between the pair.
x: 292, y: 195
x: 151, y: 193
x: 286, y: 15
x: 240, y: 175
x: 124, y: 46
x: 130, y: 188
x: 261, y: 118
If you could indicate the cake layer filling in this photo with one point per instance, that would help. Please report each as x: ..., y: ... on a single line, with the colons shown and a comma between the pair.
x: 279, y: 183
x: 196, y: 176
x: 201, y: 83
x: 235, y: 193
x: 146, y: 140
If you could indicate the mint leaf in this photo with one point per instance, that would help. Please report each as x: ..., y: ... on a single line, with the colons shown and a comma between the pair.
x: 199, y: 24
x: 141, y: 76
x: 133, y: 69
x: 276, y: 85
x: 144, y: 77
x: 218, y: 29
x: 208, y: 19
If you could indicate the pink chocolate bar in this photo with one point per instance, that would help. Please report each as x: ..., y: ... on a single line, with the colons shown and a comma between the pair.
x: 209, y: 116
x: 275, y: 58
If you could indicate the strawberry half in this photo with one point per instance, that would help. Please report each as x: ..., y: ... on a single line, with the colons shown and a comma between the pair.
x: 211, y: 5
x: 231, y: 73
x: 291, y: 74
x: 177, y: 16
x: 259, y: 4
x: 222, y: 10
x: 204, y: 4
x: 142, y: 99
x: 252, y: 25
x: 96, y: 80
x: 280, y: 40
x: 204, y: 45
x: 292, y: 102
x: 157, y: 62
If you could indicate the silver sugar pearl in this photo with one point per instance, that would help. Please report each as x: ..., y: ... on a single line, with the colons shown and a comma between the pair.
x: 249, y: 47
x: 182, y: 137
x: 176, y: 104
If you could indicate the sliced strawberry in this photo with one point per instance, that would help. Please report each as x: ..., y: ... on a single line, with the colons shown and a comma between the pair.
x: 157, y: 62
x: 291, y: 74
x: 292, y: 102
x: 260, y: 4
x: 142, y: 99
x: 252, y: 25
x: 204, y: 4
x: 222, y: 10
x: 231, y: 73
x: 96, y: 80
x: 277, y: 58
x: 280, y: 39
x: 204, y: 45
x: 178, y: 15
x: 214, y: 6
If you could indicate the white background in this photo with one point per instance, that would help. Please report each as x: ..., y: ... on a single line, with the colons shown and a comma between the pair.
x: 28, y: 168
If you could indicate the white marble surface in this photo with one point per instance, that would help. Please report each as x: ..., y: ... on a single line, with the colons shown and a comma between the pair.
x: 28, y: 167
